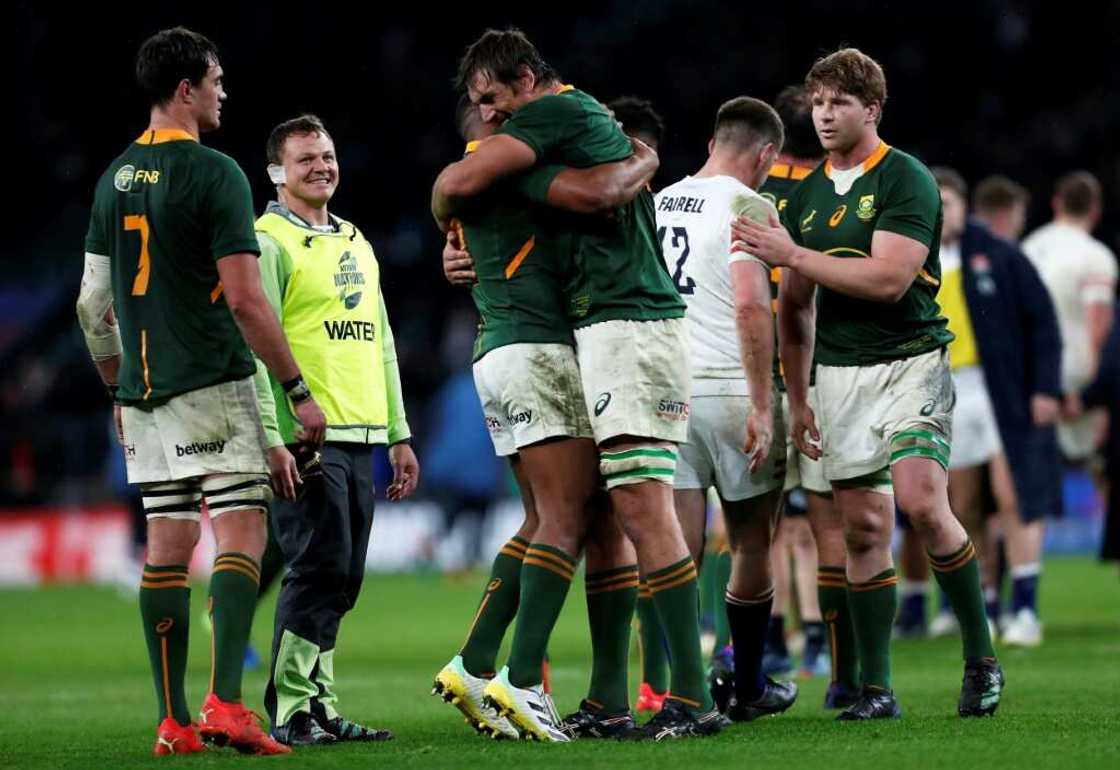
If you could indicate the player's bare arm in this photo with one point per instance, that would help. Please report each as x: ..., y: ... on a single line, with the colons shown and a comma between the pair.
x: 495, y: 158
x: 894, y: 264
x: 796, y: 326
x: 754, y: 323
x: 241, y: 282
x: 603, y: 188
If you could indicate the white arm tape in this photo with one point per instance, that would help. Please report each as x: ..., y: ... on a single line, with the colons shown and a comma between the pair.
x: 95, y: 300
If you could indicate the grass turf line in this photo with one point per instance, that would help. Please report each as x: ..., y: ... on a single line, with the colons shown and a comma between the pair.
x: 75, y: 691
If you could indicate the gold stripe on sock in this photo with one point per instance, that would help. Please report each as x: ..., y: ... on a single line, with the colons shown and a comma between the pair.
x: 213, y: 645
x: 146, y: 575
x: 862, y: 587
x: 519, y: 555
x: 956, y: 563
x: 254, y: 576
x: 557, y: 561
x: 680, y: 581
x: 835, y: 654
x: 622, y: 577
x: 165, y: 584
x: 166, y: 674
x: 534, y: 562
x: 675, y: 573
x: 236, y: 557
x: 614, y: 587
x: 477, y: 615
x: 830, y: 583
x: 516, y: 545
x: 245, y: 564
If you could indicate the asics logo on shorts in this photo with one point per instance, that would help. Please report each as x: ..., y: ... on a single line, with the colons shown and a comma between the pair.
x: 927, y: 408
x: 602, y: 404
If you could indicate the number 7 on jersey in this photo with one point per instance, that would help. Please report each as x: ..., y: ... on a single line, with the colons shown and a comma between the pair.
x: 144, y: 268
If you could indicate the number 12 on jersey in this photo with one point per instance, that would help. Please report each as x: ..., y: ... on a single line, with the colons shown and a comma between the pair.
x: 677, y: 247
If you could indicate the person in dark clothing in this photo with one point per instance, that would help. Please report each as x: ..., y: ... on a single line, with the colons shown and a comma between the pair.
x: 1105, y: 392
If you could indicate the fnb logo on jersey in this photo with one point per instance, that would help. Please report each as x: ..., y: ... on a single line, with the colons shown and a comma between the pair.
x: 672, y: 410
x: 128, y: 174
x: 347, y: 279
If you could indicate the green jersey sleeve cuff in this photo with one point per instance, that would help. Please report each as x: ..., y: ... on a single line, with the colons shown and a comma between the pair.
x: 534, y: 184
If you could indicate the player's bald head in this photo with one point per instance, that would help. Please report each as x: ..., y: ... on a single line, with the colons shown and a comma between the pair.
x: 744, y: 123
x: 469, y: 122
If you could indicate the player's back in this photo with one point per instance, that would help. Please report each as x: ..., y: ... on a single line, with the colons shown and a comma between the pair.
x: 1076, y: 269
x: 694, y: 227
x: 619, y: 273
x: 521, y: 265
x: 164, y: 212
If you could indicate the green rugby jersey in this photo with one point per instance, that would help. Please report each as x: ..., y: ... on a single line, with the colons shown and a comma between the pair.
x: 779, y: 184
x: 895, y: 193
x: 619, y: 271
x: 164, y: 212
x: 521, y: 267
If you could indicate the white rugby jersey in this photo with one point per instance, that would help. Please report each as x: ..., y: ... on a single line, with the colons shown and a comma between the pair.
x: 1078, y: 270
x: 694, y: 227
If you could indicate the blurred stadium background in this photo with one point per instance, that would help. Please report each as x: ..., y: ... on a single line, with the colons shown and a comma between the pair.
x: 1023, y: 89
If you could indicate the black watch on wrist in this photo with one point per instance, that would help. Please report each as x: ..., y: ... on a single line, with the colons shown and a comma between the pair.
x: 297, y: 390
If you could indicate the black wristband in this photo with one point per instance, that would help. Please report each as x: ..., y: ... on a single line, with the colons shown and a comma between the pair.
x: 407, y: 441
x: 297, y: 390
x: 112, y: 388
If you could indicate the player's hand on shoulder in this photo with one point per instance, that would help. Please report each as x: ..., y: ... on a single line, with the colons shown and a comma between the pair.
x: 314, y: 422
x: 406, y: 472
x: 768, y: 241
x: 283, y: 472
x: 458, y: 266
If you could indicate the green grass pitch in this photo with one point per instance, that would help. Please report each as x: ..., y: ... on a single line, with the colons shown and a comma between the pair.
x: 75, y: 691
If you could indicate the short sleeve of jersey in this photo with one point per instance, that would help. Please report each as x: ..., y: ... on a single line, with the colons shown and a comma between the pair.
x: 230, y: 204
x: 789, y: 218
x: 534, y: 183
x: 911, y: 206
x: 542, y: 123
x: 756, y: 208
x: 96, y: 240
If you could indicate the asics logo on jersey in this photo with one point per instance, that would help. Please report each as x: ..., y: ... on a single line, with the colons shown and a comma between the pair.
x: 602, y: 404
x: 807, y: 222
x: 838, y: 215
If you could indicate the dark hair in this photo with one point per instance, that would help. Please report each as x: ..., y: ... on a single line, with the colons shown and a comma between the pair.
x: 638, y: 118
x: 850, y: 71
x: 947, y: 177
x: 168, y: 58
x: 1078, y: 191
x: 301, y: 126
x: 468, y: 119
x: 998, y: 193
x: 794, y: 106
x: 501, y: 54
x: 744, y: 121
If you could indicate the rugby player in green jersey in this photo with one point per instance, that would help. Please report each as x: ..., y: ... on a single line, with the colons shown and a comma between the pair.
x: 630, y: 341
x: 811, y: 533
x: 865, y: 228
x: 170, y: 296
x: 532, y: 399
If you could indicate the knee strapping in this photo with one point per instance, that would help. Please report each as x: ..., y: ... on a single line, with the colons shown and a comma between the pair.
x: 878, y: 481
x: 172, y: 500
x: 236, y: 492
